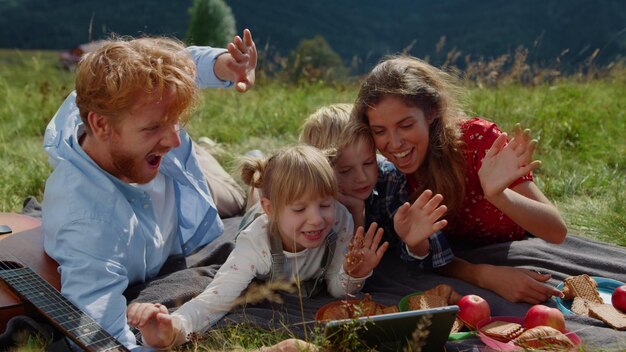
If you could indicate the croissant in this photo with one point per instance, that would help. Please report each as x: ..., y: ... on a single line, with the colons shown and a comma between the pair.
x: 424, y: 301
x: 446, y: 292
x: 544, y: 337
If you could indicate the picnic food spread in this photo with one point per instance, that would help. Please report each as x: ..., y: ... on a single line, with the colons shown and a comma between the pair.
x: 543, y: 337
x: 438, y: 296
x: 511, y: 333
x: 502, y: 331
x: 581, y: 286
x: 586, y: 301
x: 472, y: 310
x: 353, y: 308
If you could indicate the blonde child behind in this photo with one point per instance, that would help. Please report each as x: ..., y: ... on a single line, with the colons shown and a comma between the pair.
x: 369, y: 184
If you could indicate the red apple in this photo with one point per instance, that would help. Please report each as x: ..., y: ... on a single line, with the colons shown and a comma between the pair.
x: 473, y: 309
x: 618, y: 298
x: 540, y: 315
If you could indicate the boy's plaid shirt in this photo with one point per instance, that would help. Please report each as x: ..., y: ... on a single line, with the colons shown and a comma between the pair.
x: 389, y: 194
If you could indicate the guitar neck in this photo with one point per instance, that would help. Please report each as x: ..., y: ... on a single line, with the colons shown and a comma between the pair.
x: 62, y: 313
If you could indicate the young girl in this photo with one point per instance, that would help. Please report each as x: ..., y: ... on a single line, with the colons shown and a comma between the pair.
x: 412, y: 111
x: 301, y: 217
x: 368, y: 187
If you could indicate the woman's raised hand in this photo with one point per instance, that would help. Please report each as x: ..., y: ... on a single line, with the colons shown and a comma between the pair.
x: 505, y: 162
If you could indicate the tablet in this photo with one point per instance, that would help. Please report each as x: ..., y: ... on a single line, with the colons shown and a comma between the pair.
x: 392, y: 332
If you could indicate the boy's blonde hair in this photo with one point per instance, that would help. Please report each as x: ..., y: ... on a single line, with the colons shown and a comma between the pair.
x: 115, y: 77
x: 291, y: 174
x: 331, y: 128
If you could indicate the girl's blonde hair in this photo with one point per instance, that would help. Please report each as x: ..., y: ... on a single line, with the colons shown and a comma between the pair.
x: 421, y: 85
x: 115, y: 77
x: 331, y: 128
x: 291, y: 174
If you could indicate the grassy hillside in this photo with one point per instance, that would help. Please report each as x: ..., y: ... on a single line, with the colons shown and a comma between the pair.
x: 580, y: 124
x: 31, y: 89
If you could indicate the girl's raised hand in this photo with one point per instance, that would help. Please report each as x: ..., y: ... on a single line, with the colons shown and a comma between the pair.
x: 153, y: 320
x: 505, y: 162
x: 415, y: 222
x: 364, y: 254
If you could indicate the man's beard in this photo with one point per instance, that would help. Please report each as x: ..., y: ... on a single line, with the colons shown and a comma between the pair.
x: 130, y: 168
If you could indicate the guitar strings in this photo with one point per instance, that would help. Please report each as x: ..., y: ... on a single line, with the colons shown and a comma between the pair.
x: 55, y: 301
x: 14, y: 264
x: 9, y: 264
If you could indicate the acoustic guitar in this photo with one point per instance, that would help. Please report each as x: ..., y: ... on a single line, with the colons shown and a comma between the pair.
x: 29, y: 280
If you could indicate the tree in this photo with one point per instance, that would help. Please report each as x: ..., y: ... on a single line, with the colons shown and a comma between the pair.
x: 212, y: 23
x: 313, y: 60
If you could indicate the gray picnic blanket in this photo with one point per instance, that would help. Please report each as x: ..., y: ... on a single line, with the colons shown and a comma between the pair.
x: 393, y: 279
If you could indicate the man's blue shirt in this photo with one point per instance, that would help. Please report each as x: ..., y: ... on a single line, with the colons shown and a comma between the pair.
x: 103, y: 232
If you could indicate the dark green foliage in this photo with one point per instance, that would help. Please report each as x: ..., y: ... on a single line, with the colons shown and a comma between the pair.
x: 63, y: 24
x: 370, y: 29
x: 559, y: 34
x: 212, y: 23
x: 314, y: 60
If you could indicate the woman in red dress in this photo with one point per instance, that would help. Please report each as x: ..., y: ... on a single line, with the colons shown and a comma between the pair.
x: 414, y: 114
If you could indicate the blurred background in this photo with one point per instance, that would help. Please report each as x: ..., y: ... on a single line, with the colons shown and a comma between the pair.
x: 556, y: 34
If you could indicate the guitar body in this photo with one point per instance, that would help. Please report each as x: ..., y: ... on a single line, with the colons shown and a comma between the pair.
x: 26, y: 244
x: 27, y: 274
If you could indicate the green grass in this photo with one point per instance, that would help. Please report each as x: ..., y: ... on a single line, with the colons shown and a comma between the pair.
x: 31, y: 89
x: 582, y: 146
x: 580, y: 125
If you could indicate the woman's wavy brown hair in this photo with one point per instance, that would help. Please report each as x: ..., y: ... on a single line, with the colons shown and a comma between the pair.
x: 435, y: 92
